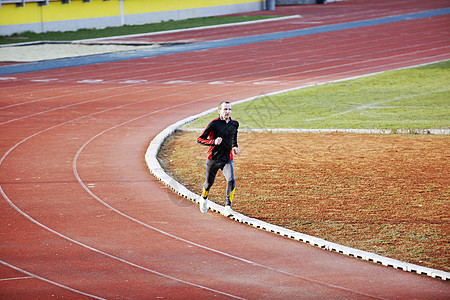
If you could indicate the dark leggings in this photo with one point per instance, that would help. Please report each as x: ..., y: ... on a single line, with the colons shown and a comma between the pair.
x: 212, y: 167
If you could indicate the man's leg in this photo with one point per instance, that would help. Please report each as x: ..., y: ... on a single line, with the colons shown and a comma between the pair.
x: 228, y: 172
x: 211, y: 171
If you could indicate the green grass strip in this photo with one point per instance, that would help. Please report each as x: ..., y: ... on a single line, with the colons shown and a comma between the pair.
x: 413, y: 98
x: 125, y: 30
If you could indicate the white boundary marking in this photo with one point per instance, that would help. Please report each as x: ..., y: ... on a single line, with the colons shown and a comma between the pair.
x: 153, y: 33
x: 80, y: 181
x: 156, y: 169
x: 16, y: 278
x: 269, y: 227
x: 338, y: 130
x: 96, y: 250
x: 190, y: 29
x: 10, y: 202
x: 142, y: 223
x: 31, y: 275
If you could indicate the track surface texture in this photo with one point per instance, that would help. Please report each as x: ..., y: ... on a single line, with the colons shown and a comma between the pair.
x: 83, y: 218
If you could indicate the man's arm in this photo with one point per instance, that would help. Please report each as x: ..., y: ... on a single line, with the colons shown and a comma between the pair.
x: 206, y: 138
x: 235, y: 145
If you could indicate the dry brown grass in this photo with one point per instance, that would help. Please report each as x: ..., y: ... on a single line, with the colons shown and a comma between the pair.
x: 386, y: 194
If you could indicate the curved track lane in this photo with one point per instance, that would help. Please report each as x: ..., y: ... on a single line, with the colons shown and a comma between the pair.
x: 82, y: 216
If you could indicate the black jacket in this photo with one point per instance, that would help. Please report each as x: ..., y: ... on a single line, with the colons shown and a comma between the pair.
x: 227, y: 131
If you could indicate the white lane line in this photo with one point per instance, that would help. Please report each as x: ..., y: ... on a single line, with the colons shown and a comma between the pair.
x: 31, y: 275
x: 178, y: 82
x: 154, y: 228
x: 191, y: 29
x: 102, y: 253
x: 10, y: 202
x: 4, y: 195
x: 374, y: 104
x: 16, y: 278
x: 75, y: 171
x: 188, y: 82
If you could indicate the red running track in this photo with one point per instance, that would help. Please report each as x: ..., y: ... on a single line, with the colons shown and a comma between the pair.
x: 83, y: 218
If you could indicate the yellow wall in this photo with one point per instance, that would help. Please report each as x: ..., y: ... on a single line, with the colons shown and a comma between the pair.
x: 79, y: 10
x: 136, y: 7
x: 76, y: 10
x: 10, y: 14
x: 56, y: 11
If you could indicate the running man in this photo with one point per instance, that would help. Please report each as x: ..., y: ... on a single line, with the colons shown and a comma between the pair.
x: 221, y: 137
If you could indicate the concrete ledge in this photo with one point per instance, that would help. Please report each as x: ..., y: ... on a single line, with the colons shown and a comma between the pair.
x: 156, y: 169
x: 337, y: 130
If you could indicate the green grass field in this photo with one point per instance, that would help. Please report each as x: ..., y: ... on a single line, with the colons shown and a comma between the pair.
x: 125, y: 30
x: 414, y: 98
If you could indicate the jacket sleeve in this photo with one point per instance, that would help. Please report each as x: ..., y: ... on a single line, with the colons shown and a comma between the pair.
x: 234, y: 142
x: 207, y: 136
